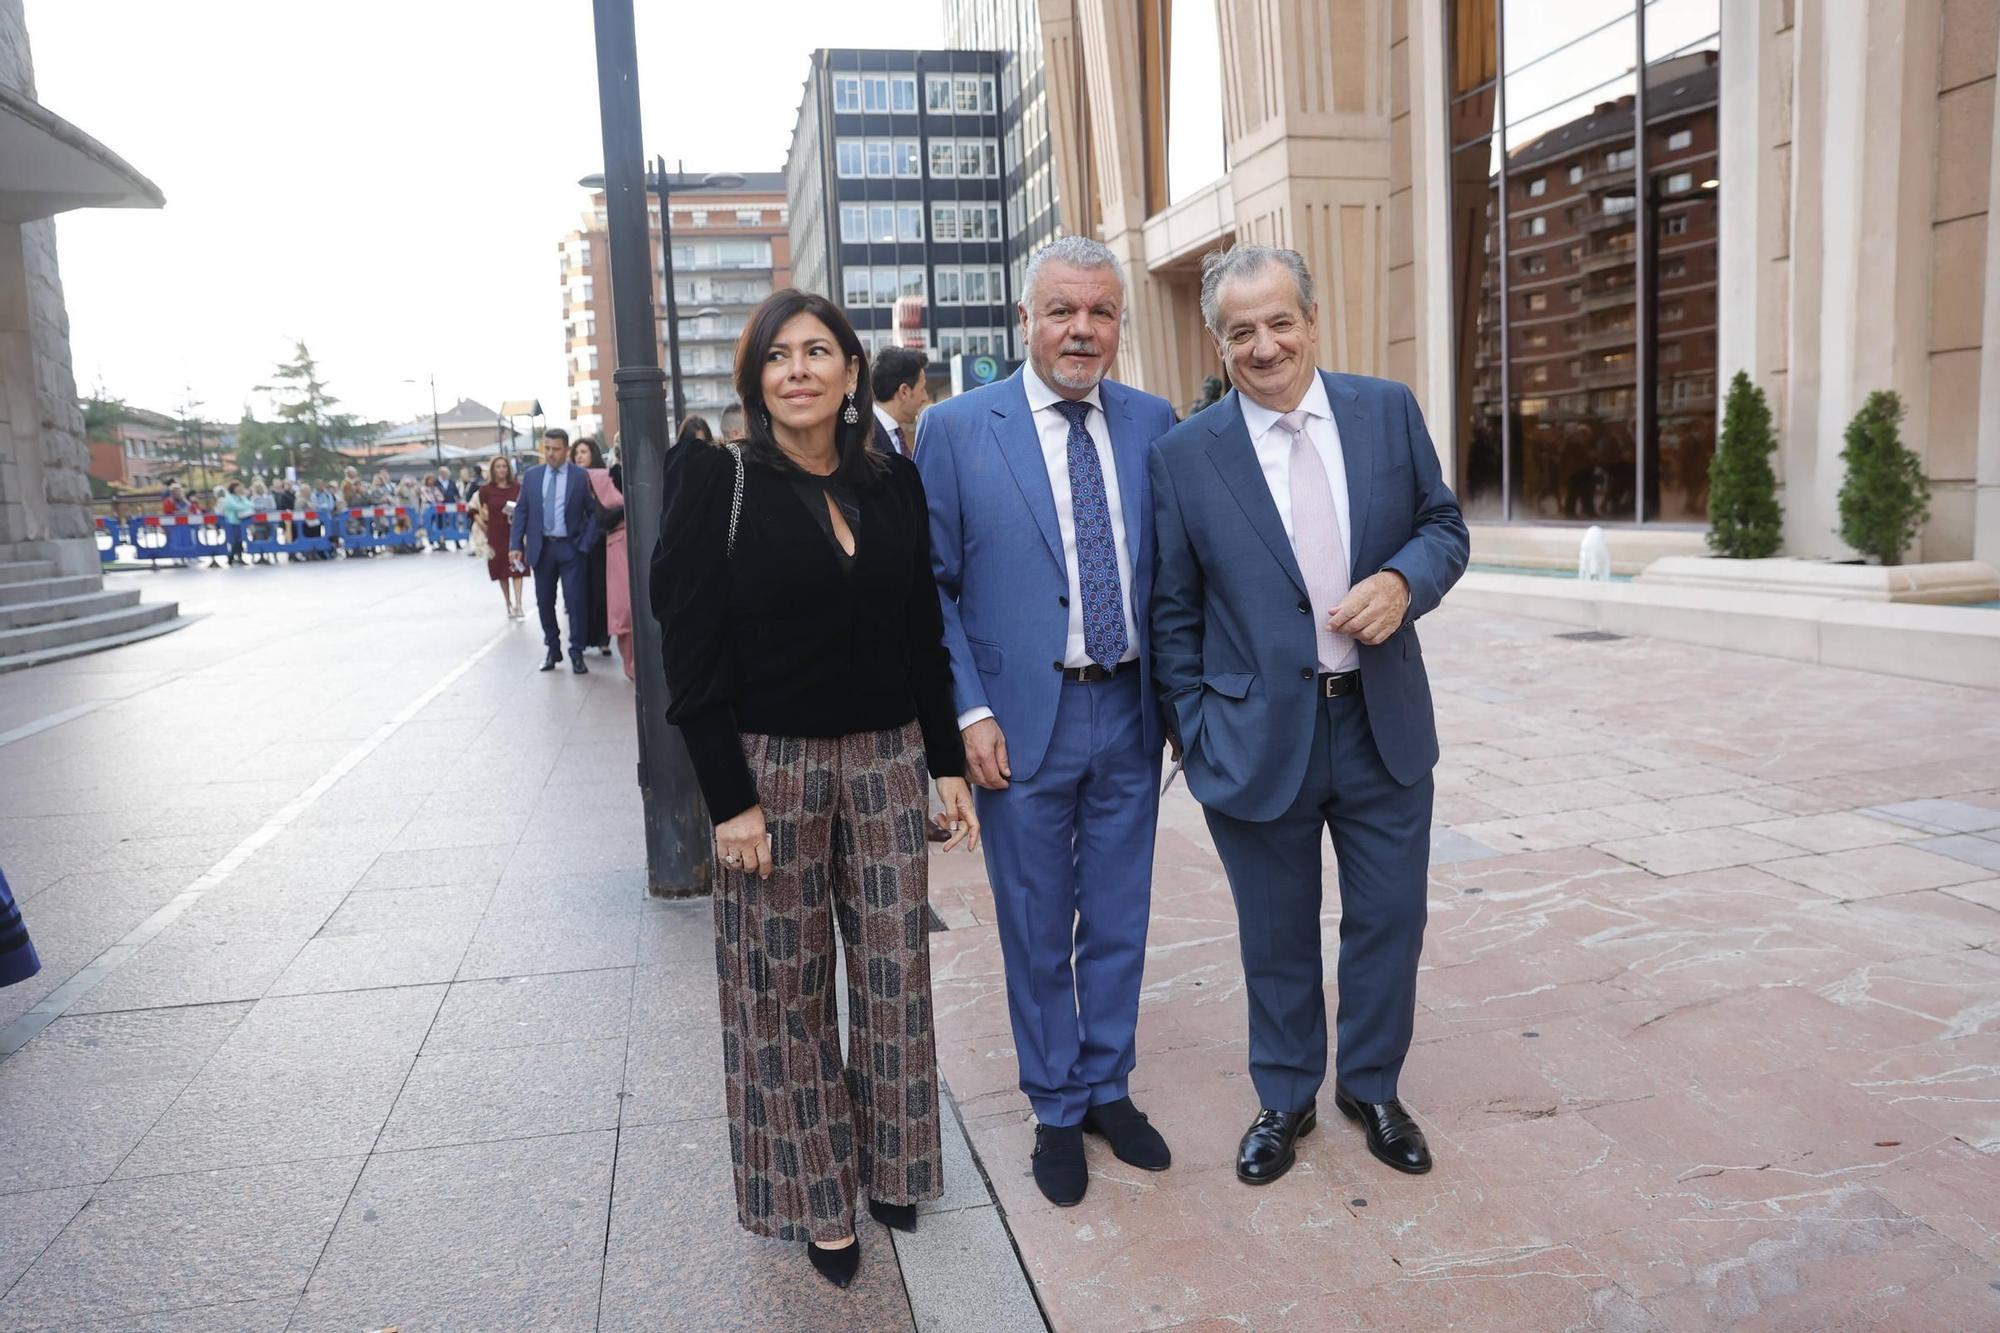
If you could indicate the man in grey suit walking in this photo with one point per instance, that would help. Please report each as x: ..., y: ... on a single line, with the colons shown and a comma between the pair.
x: 1303, y: 527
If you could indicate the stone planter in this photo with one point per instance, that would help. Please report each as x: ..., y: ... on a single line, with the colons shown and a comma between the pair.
x: 1941, y: 584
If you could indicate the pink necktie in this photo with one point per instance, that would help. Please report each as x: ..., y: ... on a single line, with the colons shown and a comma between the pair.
x: 1316, y: 540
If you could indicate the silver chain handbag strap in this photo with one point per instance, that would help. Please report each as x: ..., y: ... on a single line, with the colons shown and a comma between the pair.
x: 736, y: 501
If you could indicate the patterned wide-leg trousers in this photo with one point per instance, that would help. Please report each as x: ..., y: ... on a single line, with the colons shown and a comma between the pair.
x: 810, y: 1129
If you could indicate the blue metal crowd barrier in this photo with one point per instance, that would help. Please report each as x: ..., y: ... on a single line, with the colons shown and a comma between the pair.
x: 284, y: 533
x: 107, y: 528
x: 184, y: 538
x: 448, y: 523
x: 379, y: 526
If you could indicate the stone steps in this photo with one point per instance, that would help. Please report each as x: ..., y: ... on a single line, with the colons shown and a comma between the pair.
x: 25, y: 571
x: 30, y: 645
x: 42, y: 590
x: 51, y: 610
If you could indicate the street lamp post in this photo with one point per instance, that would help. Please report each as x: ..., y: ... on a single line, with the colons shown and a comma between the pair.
x: 679, y: 836
x: 437, y: 436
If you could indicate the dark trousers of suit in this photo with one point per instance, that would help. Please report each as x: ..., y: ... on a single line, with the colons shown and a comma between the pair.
x: 1069, y: 853
x: 1381, y: 839
x: 560, y: 563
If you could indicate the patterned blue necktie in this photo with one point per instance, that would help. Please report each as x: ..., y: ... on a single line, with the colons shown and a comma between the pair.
x: 1104, y: 640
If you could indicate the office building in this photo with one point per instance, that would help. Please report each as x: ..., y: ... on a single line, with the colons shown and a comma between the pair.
x: 896, y: 196
x: 1569, y: 261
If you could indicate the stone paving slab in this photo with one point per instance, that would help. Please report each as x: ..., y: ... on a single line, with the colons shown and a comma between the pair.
x: 1709, y: 1042
x: 1709, y: 1024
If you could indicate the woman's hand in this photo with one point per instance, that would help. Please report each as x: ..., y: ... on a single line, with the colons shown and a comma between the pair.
x: 742, y: 844
x: 958, y: 818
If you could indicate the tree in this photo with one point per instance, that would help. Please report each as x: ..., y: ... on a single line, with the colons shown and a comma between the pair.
x: 1744, y: 519
x: 196, y: 450
x: 261, y: 447
x: 1886, y: 497
x: 310, y: 435
x: 102, y: 415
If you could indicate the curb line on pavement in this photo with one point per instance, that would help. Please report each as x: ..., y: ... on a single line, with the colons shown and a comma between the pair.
x: 963, y: 1257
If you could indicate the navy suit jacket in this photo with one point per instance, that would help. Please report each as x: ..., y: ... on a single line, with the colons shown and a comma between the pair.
x: 998, y: 552
x: 885, y: 442
x: 1234, y: 644
x: 579, y: 513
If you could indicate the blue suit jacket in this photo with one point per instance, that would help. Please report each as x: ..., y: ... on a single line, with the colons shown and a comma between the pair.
x: 579, y: 512
x: 998, y: 552
x: 1233, y: 654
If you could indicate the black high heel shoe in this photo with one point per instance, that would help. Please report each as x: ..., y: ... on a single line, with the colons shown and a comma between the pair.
x: 836, y: 1266
x: 895, y: 1216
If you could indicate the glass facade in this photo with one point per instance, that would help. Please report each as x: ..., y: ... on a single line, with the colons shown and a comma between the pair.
x: 1584, y: 257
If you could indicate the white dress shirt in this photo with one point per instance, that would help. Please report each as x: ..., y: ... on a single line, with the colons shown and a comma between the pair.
x: 1274, y: 456
x: 891, y: 426
x: 1053, y: 428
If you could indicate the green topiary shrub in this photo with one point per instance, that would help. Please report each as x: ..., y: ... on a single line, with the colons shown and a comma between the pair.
x: 1885, y: 498
x: 1744, y: 519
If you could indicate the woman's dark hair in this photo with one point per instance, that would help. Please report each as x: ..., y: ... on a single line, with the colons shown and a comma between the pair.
x: 596, y: 455
x: 859, y: 462
x: 695, y: 431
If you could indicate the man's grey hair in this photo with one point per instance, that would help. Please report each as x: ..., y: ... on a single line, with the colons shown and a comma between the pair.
x: 1075, y: 251
x: 1239, y: 261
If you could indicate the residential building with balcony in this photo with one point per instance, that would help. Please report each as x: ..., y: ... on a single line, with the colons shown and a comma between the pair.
x: 731, y: 249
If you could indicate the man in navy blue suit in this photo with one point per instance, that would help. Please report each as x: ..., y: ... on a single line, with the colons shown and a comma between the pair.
x: 1042, y: 538
x: 1304, y: 525
x: 555, y: 527
x: 902, y: 392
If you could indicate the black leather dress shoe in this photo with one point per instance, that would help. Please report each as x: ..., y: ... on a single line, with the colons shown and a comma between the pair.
x: 1059, y: 1166
x: 576, y: 664
x: 1133, y: 1140
x: 1393, y: 1137
x: 552, y: 661
x: 1267, y: 1150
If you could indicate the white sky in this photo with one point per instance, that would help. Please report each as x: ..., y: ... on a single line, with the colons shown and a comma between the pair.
x: 386, y: 179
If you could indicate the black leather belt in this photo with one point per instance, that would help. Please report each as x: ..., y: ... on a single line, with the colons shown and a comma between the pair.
x: 1093, y: 673
x: 1334, y: 684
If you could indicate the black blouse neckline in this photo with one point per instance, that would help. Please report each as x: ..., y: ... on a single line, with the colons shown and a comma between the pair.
x: 812, y: 492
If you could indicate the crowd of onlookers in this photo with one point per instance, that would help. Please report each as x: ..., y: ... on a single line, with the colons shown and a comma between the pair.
x: 236, y: 503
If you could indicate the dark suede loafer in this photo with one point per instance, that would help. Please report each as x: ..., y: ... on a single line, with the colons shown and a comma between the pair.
x: 1133, y: 1139
x: 1393, y: 1137
x: 1059, y: 1164
x: 1268, y: 1148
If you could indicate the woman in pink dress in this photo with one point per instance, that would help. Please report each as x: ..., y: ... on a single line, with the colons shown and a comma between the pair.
x: 617, y: 582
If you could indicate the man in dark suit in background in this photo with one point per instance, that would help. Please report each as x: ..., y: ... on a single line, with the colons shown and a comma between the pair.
x: 901, y: 393
x: 555, y: 527
x: 1303, y: 526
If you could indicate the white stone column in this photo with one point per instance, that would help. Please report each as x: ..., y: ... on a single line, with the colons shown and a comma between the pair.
x: 1430, y: 217
x: 1864, y: 152
x: 1986, y: 496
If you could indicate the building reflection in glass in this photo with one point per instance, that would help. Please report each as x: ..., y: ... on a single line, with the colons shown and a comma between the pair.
x: 1584, y: 261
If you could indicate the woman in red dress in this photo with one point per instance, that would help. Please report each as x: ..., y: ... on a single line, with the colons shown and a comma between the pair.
x: 490, y: 512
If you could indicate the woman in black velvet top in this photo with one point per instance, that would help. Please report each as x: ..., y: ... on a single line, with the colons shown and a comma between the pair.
x: 804, y: 653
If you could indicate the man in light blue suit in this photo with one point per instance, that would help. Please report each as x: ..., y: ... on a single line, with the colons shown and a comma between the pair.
x: 554, y: 527
x: 1042, y: 538
x: 1304, y: 525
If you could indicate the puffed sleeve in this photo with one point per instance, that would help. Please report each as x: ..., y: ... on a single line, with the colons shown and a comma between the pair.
x: 930, y: 663
x: 690, y: 594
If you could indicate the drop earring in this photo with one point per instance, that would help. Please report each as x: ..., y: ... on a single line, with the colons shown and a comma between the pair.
x: 852, y: 416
